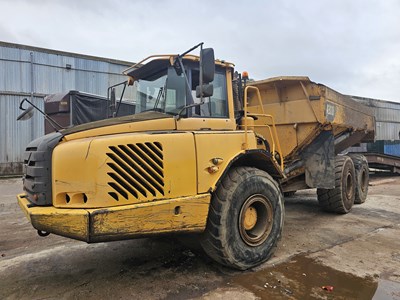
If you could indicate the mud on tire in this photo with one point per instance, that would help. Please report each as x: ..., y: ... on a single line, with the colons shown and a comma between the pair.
x: 341, y: 198
x: 245, y: 219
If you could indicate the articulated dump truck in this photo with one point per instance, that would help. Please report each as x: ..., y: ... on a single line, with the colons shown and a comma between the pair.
x: 208, y: 152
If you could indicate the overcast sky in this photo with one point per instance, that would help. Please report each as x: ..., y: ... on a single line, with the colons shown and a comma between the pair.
x: 352, y: 46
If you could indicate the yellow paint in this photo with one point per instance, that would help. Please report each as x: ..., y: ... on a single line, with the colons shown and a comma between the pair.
x: 266, y: 122
x: 217, y: 144
x: 141, y: 126
x: 250, y: 218
x: 187, y: 214
x: 205, y: 124
x: 299, y: 109
x: 90, y: 174
x: 71, y: 223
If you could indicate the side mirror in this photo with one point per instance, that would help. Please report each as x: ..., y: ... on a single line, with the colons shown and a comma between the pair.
x: 27, y: 112
x: 207, y: 62
x: 207, y: 90
x: 26, y: 115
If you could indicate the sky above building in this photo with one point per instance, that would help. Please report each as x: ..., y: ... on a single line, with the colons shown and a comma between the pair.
x: 352, y: 46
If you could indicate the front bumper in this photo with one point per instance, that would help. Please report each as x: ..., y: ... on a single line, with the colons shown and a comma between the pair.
x: 186, y: 214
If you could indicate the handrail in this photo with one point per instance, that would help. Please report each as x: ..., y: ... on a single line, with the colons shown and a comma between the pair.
x: 160, y: 56
x: 273, y: 132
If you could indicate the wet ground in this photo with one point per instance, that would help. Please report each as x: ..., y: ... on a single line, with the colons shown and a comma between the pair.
x: 321, y: 256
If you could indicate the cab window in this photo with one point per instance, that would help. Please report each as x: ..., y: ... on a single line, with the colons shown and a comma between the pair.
x: 215, y: 106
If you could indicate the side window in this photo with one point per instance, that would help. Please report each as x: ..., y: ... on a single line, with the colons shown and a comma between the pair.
x: 219, y: 101
x: 175, y: 91
x: 215, y: 106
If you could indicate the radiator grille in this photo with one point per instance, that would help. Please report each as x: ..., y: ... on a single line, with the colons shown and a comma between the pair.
x: 136, y: 170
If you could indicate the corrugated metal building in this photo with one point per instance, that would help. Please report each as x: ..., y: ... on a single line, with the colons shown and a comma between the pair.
x: 387, y: 135
x: 387, y: 117
x: 33, y: 72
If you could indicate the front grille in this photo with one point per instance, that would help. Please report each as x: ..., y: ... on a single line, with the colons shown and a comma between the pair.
x: 37, y: 169
x: 136, y: 170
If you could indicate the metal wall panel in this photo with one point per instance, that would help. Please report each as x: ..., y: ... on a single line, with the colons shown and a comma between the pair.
x: 387, y: 131
x: 387, y: 117
x: 51, y: 75
x: 15, y: 136
x: 25, y: 70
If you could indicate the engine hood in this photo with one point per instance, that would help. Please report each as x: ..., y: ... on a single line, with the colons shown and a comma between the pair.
x: 146, y: 121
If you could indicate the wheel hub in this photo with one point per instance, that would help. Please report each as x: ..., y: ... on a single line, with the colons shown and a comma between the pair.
x: 250, y: 218
x: 255, y: 220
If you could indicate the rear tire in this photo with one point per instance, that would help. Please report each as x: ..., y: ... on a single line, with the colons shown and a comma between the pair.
x: 245, y: 219
x: 341, y: 198
x: 362, y: 177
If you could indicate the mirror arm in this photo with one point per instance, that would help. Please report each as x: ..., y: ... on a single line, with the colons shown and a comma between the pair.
x: 122, y: 95
x: 113, y: 86
x: 191, y: 49
x: 201, y: 73
x: 52, y: 122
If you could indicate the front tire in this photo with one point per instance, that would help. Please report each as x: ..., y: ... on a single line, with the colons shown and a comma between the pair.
x: 245, y: 219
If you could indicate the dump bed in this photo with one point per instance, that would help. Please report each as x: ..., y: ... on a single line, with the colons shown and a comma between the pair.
x: 311, y: 119
x: 302, y: 109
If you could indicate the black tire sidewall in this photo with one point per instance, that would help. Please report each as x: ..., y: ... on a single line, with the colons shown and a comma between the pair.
x: 361, y: 195
x: 251, y: 185
x: 360, y: 166
x: 348, y: 168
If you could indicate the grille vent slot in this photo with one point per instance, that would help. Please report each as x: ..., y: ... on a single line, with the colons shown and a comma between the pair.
x: 136, y: 170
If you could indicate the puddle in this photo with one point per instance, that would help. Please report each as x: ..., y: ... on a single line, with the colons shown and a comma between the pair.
x: 303, y: 278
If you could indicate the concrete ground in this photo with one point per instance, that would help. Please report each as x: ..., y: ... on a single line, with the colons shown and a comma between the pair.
x: 321, y: 256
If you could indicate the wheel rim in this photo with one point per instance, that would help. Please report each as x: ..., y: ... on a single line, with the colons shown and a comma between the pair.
x: 255, y: 220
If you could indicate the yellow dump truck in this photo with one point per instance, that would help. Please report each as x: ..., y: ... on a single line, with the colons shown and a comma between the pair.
x: 208, y: 152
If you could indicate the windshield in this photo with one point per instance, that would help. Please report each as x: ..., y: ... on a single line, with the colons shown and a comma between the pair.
x: 166, y: 91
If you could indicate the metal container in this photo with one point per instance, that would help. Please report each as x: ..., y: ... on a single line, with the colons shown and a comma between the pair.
x: 75, y: 108
x: 392, y: 148
x: 385, y: 147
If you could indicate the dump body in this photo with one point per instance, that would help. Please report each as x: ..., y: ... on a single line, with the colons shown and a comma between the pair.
x: 313, y: 123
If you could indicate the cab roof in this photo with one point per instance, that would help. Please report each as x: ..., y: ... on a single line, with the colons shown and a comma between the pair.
x: 152, y: 64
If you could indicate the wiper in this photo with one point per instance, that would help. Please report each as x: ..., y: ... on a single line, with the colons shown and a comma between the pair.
x: 179, y: 114
x: 160, y: 94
